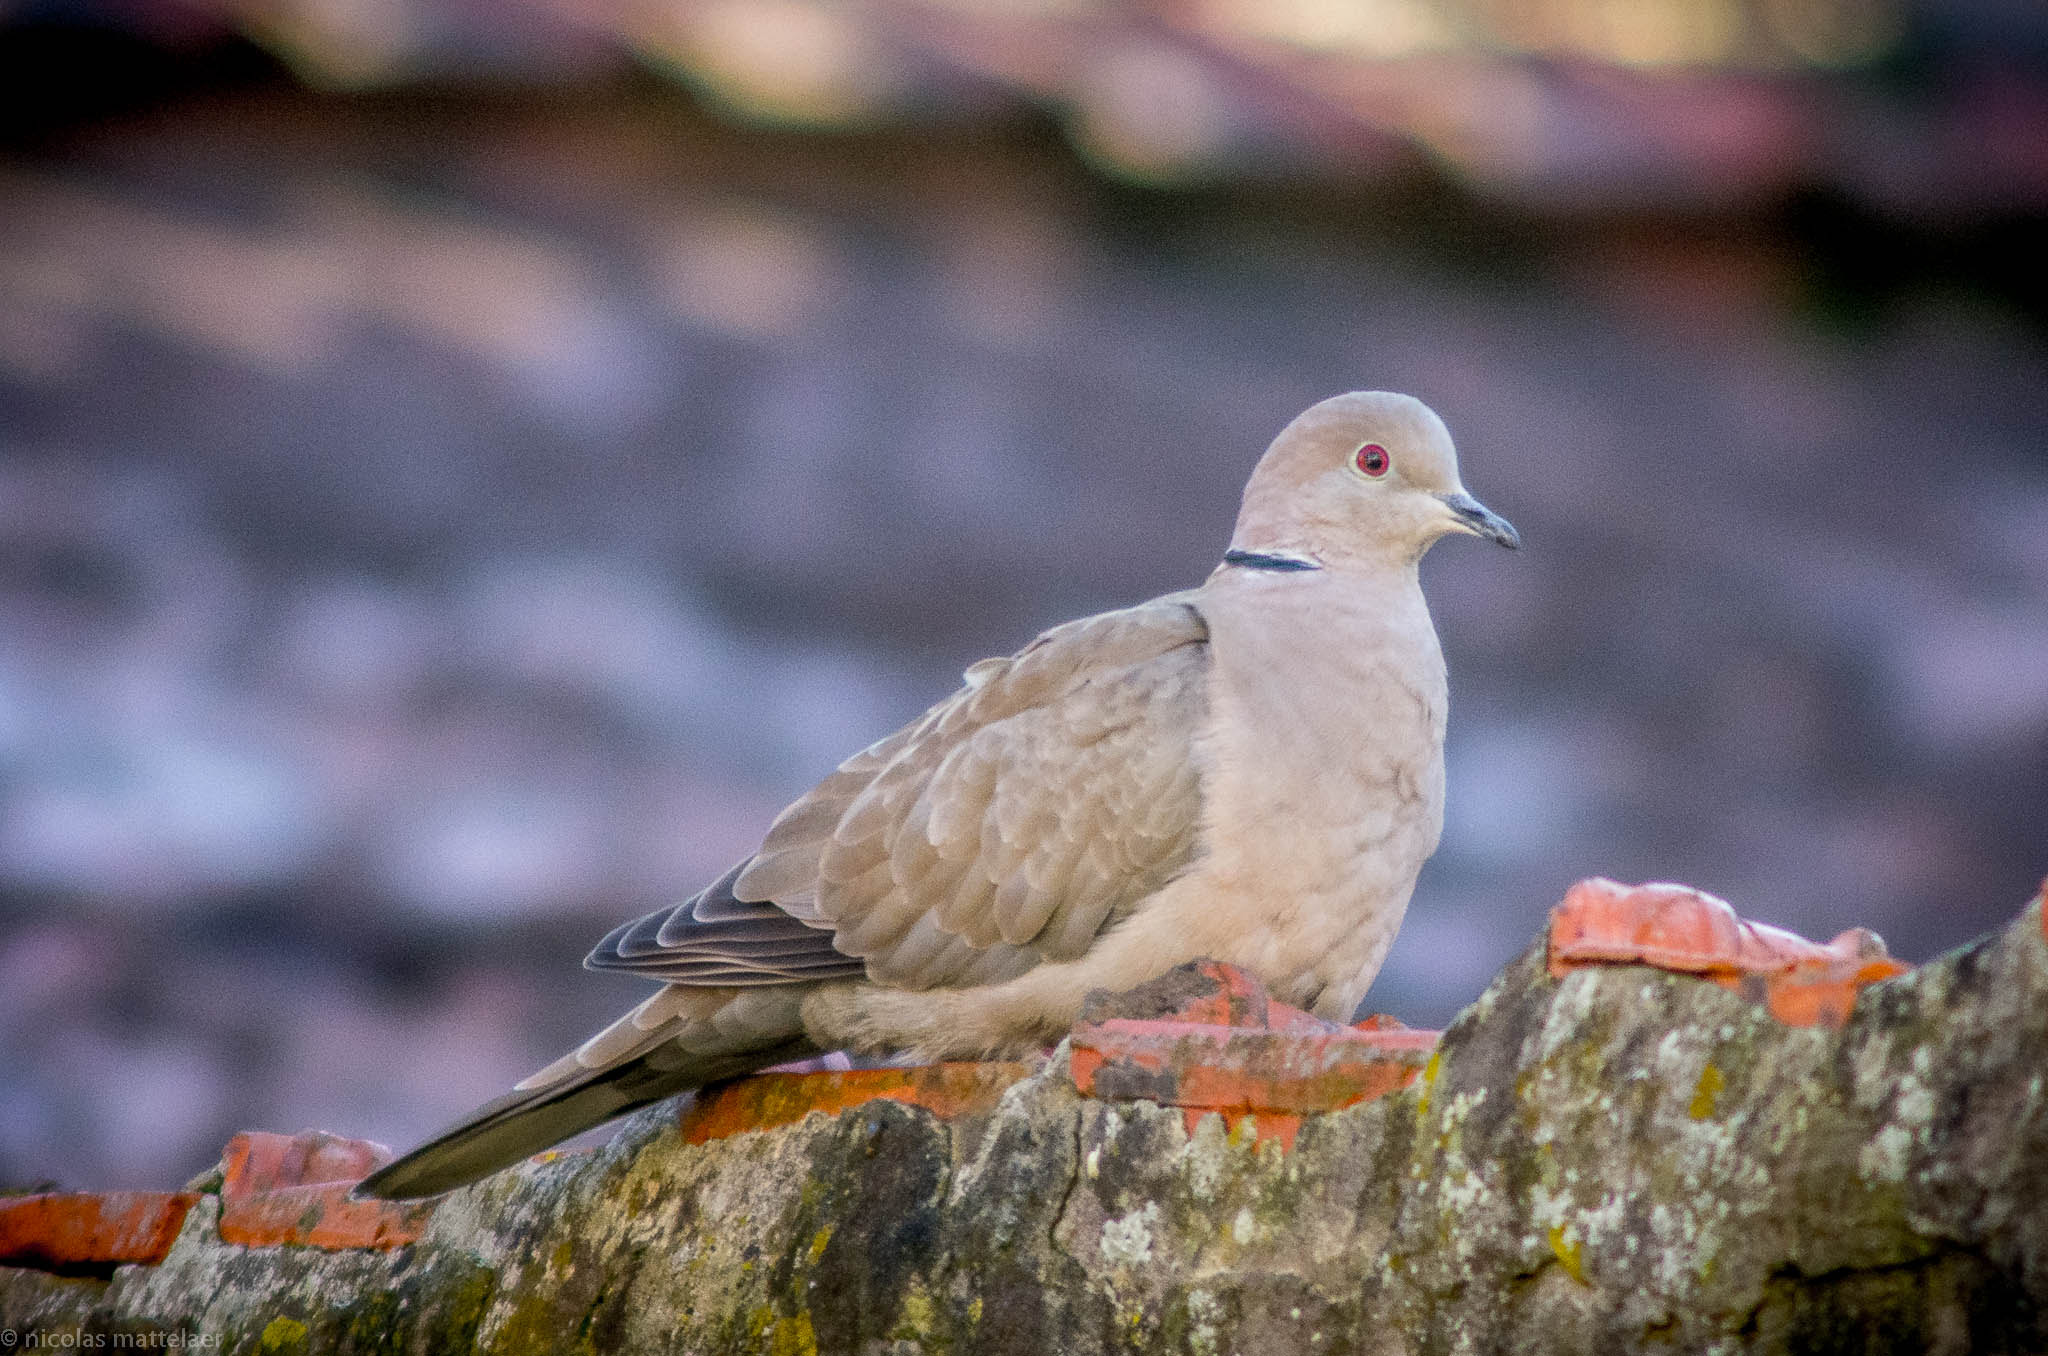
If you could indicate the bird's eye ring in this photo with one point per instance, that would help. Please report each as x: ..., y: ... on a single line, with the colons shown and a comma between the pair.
x: 1373, y: 460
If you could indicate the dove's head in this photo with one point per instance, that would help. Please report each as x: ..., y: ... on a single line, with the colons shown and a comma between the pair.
x: 1368, y: 477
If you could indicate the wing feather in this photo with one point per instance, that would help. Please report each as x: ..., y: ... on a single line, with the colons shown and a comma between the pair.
x: 1006, y: 826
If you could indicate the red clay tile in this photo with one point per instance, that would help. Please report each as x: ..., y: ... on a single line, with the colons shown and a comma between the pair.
x: 766, y: 1101
x: 87, y: 1230
x: 1234, y: 1070
x: 1240, y: 1000
x: 1282, y: 1017
x: 1678, y: 928
x: 293, y: 1189
x: 1821, y: 994
x: 319, y: 1215
x: 1203, y: 993
x: 261, y: 1160
x: 1241, y: 1053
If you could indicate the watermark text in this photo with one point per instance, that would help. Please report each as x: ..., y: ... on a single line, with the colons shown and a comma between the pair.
x: 78, y: 1339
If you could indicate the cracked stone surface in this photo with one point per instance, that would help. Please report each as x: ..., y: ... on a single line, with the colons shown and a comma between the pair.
x: 1618, y: 1159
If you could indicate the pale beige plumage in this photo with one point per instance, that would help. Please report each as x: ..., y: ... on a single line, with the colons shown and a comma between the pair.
x: 1250, y: 770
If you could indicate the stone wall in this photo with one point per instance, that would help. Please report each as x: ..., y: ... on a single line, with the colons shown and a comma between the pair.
x: 1660, y: 1129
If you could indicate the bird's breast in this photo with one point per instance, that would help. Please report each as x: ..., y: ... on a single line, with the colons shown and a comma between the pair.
x: 1324, y: 780
x: 1327, y: 735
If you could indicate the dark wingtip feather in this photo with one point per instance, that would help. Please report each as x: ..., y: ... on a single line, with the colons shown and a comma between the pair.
x: 715, y: 939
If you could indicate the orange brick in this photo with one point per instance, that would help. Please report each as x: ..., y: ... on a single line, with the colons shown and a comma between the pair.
x: 319, y: 1215
x: 1822, y: 993
x: 1239, y: 999
x: 293, y: 1189
x: 89, y: 1230
x: 1282, y: 1017
x: 1244, y: 1054
x: 769, y: 1100
x: 1232, y: 1069
x: 1202, y: 993
x: 1678, y: 928
x: 261, y: 1160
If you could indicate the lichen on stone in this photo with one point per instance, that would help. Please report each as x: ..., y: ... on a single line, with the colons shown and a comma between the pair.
x: 1617, y: 1160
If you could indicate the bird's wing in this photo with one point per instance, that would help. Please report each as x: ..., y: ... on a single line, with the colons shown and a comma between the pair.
x: 1007, y: 825
x: 712, y: 938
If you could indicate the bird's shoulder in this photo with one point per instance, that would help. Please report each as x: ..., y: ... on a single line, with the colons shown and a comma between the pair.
x: 1068, y: 681
x: 1077, y: 654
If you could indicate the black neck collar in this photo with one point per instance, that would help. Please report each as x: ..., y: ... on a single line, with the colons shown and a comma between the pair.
x: 1260, y: 560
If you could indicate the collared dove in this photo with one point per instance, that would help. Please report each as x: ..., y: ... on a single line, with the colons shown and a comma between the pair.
x: 1251, y: 770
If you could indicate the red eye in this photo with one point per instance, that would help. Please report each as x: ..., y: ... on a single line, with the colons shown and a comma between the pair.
x: 1372, y: 459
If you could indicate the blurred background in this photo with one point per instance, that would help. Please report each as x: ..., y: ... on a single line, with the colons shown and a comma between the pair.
x: 464, y: 467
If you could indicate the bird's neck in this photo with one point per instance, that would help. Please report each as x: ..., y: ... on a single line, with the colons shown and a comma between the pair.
x: 1281, y: 562
x: 1375, y: 571
x: 1329, y: 628
x: 1272, y: 547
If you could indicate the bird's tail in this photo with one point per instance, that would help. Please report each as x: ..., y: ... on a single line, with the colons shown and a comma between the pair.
x: 653, y: 1052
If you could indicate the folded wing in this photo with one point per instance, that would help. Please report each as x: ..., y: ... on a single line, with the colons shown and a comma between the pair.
x: 1006, y: 826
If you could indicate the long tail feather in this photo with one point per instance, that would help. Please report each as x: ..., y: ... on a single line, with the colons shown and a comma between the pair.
x: 523, y: 1123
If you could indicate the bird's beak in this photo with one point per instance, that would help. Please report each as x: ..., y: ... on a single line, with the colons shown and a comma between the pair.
x: 1481, y: 521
